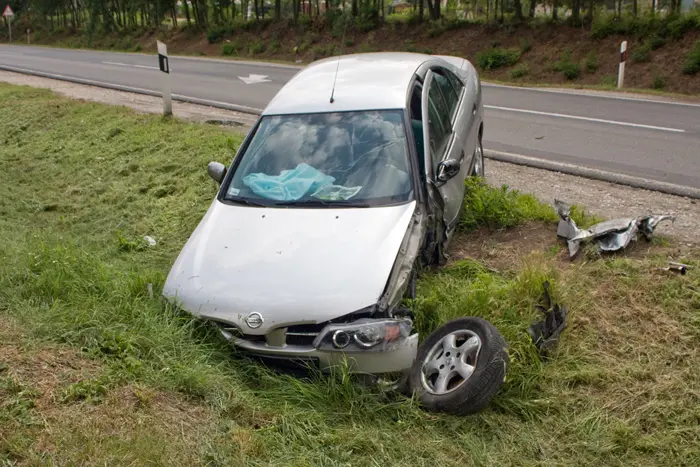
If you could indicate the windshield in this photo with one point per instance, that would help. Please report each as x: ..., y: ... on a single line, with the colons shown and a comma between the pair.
x: 344, y: 158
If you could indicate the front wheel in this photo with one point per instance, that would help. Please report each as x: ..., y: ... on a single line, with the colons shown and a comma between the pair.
x: 460, y: 367
x: 478, y: 161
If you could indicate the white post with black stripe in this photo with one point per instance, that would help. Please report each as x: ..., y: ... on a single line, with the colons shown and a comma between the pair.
x: 621, y: 71
x: 165, y: 68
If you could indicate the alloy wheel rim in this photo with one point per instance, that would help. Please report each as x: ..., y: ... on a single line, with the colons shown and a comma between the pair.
x: 450, y: 362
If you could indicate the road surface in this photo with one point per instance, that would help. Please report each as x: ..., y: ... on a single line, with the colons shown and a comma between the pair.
x: 644, y: 138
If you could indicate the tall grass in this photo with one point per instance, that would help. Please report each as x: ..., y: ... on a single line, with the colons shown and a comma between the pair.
x: 81, y: 184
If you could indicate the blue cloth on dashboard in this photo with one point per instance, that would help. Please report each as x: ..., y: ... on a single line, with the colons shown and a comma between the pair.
x: 289, y: 185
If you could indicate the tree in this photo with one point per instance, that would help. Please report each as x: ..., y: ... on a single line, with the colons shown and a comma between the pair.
x: 518, y: 7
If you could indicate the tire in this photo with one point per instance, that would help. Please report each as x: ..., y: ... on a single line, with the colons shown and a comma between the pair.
x: 460, y: 395
x: 477, y: 169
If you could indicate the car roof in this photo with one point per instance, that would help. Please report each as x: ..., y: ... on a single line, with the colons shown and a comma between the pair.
x: 374, y: 81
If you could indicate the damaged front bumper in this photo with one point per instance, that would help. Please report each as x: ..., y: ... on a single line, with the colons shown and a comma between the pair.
x: 369, y: 346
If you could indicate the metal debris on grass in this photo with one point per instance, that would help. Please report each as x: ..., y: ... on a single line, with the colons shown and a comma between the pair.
x: 545, y: 333
x: 679, y: 268
x: 150, y: 240
x: 611, y: 235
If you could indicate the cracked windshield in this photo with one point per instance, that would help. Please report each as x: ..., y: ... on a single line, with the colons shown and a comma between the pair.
x: 326, y: 158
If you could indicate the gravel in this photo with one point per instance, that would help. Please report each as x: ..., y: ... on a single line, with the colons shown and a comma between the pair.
x: 602, y: 198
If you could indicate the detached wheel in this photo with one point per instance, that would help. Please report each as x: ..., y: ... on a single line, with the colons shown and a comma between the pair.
x: 478, y: 164
x: 460, y: 367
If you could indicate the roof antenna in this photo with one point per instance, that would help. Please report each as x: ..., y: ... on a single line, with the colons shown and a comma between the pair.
x: 342, y: 50
x: 334, y: 79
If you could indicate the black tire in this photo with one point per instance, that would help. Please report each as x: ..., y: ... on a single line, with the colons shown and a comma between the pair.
x: 474, y: 393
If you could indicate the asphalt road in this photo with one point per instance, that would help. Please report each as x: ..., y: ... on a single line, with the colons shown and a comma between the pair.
x: 643, y: 138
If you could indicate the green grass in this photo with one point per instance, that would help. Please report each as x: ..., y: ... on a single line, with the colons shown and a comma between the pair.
x: 131, y: 381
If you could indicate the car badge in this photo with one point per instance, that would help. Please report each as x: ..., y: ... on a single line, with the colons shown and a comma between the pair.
x: 254, y: 320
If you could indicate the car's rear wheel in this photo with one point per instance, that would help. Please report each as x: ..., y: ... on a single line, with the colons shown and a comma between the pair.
x: 478, y: 163
x: 460, y: 367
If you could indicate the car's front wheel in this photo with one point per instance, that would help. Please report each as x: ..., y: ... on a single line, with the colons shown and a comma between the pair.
x: 460, y: 366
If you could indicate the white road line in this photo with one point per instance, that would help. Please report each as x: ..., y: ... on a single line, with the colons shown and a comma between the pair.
x: 583, y: 93
x: 131, y: 65
x: 587, y: 119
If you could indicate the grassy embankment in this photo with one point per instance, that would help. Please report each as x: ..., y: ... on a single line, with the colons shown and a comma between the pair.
x: 94, y: 371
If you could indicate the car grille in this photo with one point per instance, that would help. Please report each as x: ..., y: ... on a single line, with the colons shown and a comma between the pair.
x: 303, y: 334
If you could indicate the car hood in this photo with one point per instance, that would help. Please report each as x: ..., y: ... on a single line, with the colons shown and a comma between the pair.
x: 291, y: 265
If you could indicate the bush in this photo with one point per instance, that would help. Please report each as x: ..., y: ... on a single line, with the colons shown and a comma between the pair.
x: 640, y: 55
x: 656, y: 42
x: 525, y: 46
x: 570, y: 69
x: 497, y: 58
x: 256, y: 47
x: 519, y: 71
x: 227, y: 49
x: 436, y: 29
x: 215, y: 34
x: 349, y: 43
x: 658, y: 82
x: 691, y: 65
x: 591, y: 62
x: 274, y: 46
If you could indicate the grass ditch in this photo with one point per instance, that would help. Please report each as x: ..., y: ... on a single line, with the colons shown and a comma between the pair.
x: 82, y: 183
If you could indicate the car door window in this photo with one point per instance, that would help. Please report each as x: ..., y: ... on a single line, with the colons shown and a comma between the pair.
x: 438, y: 125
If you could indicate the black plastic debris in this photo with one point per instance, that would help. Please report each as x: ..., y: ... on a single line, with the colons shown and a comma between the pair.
x: 610, y: 235
x: 545, y: 333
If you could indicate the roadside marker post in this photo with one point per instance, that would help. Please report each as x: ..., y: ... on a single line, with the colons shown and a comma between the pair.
x: 8, y: 13
x: 621, y: 71
x: 165, y: 68
x: 28, y: 36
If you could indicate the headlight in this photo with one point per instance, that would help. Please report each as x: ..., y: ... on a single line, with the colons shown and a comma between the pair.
x: 375, y: 335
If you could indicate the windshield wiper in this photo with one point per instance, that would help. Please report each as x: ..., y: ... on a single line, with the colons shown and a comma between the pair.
x: 326, y: 203
x: 246, y: 201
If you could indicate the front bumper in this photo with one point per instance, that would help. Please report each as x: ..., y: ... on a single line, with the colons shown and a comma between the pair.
x: 399, y: 359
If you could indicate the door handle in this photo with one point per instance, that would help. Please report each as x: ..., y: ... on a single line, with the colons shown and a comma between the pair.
x: 474, y: 109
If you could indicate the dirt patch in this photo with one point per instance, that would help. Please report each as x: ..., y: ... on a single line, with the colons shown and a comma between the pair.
x: 503, y: 249
x: 47, y: 368
x: 158, y: 425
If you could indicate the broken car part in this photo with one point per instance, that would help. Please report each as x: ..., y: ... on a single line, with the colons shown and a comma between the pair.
x: 545, y: 333
x: 460, y: 366
x: 610, y: 235
x: 676, y: 267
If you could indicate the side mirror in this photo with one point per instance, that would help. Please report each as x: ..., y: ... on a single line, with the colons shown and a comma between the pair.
x: 217, y: 171
x: 448, y: 169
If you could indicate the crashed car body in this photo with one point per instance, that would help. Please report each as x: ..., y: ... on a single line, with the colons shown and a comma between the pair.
x: 330, y: 204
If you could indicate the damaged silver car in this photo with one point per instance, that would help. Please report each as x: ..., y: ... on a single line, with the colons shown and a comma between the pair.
x: 352, y: 177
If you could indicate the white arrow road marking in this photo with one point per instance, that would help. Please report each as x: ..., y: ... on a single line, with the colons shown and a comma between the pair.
x: 253, y: 79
